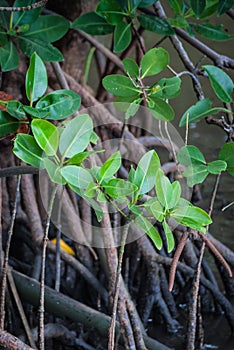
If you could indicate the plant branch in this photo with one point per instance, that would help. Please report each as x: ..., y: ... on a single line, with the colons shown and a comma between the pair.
x: 24, y: 8
x: 18, y: 170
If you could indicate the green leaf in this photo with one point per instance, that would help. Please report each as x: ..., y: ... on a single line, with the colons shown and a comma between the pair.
x: 211, y: 31
x: 191, y: 216
x: 150, y: 230
x: 98, y: 211
x: 216, y: 167
x: 167, y: 87
x: 164, y: 190
x: 110, y: 167
x: 160, y: 109
x: 25, y: 17
x: 78, y: 158
x: 49, y: 28
x: 122, y: 36
x: 153, y: 62
x: 227, y: 154
x: 36, y: 78
x: 35, y: 112
x: 177, y: 6
x: 119, y: 188
x: 169, y: 237
x: 220, y: 82
x: 133, y: 108
x: 196, y: 174
x: 196, y: 112
x: 27, y: 149
x: 76, y: 136
x: 3, y: 38
x: 9, y: 57
x: 155, y: 208
x: 198, y: 6
x: 179, y: 22
x: 8, y: 125
x: 54, y: 172
x: 46, y: 135
x: 145, y: 174
x: 156, y: 24
x: 30, y: 44
x: 120, y: 86
x: 59, y: 104
x: 110, y: 10
x: 93, y: 24
x: 76, y: 176
x: 16, y: 110
x: 4, y: 15
x: 190, y: 155
x: 130, y: 67
x: 224, y: 6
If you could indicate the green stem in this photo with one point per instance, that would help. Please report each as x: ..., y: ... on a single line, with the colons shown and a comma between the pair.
x: 11, y: 20
x: 43, y: 261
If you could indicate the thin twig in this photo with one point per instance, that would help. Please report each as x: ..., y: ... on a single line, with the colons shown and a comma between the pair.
x: 43, y: 261
x: 24, y: 8
x: 20, y: 308
x: 193, y: 307
x: 5, y: 263
x: 111, y: 340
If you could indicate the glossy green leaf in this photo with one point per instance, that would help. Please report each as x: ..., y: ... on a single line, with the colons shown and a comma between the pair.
x: 169, y: 237
x: 30, y: 44
x: 150, y: 230
x: 216, y: 167
x: 54, y: 172
x: 78, y: 158
x: 110, y: 167
x: 25, y: 17
x: 179, y: 22
x: 110, y: 10
x: 35, y: 112
x: 211, y: 31
x: 49, y: 28
x: 59, y: 104
x: 46, y: 135
x: 133, y: 108
x: 93, y: 24
x: 153, y: 62
x: 76, y: 176
x: 156, y: 24
x: 191, y: 216
x: 177, y: 6
x: 196, y: 174
x: 98, y: 211
x: 36, y: 78
x: 27, y: 149
x: 3, y: 37
x: 224, y: 6
x: 198, y: 6
x: 164, y: 190
x: 227, y: 154
x: 16, y: 110
x: 196, y: 112
x: 9, y: 57
x: 131, y: 67
x: 119, y: 188
x: 122, y: 36
x: 119, y: 85
x: 160, y: 109
x: 155, y: 208
x: 76, y: 136
x: 167, y: 88
x: 145, y: 174
x: 190, y: 155
x: 8, y: 125
x: 220, y: 82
